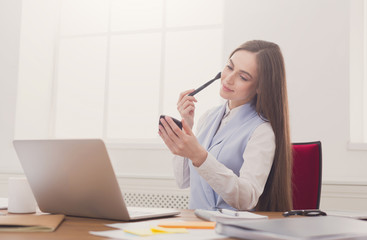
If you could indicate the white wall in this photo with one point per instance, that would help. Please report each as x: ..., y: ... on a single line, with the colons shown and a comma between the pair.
x: 10, y: 21
x: 314, y: 37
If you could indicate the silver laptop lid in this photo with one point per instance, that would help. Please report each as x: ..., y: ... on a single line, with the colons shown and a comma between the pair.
x: 73, y: 177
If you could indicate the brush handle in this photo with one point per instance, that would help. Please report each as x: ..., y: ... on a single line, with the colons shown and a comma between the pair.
x: 205, y: 85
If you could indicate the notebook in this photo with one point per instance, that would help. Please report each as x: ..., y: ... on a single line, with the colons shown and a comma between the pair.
x: 75, y: 177
x: 30, y: 222
x: 209, y: 215
x: 306, y: 228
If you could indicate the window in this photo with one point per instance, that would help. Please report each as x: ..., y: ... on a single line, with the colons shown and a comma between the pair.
x: 358, y: 74
x: 116, y: 66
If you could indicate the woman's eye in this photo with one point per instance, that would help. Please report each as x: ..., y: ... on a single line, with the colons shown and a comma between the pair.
x: 243, y: 78
x: 229, y: 67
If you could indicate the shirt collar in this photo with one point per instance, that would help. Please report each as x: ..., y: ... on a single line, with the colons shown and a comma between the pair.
x: 230, y: 112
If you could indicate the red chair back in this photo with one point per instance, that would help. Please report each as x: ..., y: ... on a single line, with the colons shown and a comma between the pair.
x: 307, y: 174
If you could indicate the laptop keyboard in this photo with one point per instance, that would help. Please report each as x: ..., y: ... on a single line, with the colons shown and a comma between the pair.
x: 138, y: 213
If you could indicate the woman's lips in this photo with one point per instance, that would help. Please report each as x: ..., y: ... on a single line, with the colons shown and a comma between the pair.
x: 226, y: 89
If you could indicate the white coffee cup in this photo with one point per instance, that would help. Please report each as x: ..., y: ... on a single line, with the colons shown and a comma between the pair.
x: 20, y: 196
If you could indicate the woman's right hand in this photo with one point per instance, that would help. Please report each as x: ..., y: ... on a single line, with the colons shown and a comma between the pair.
x: 186, y: 107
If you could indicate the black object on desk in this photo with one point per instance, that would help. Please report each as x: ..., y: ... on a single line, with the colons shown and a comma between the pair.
x: 307, y: 212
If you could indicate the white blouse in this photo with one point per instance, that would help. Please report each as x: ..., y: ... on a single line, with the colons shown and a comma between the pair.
x: 241, y: 192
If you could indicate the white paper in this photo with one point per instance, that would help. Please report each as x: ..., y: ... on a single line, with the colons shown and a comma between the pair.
x: 134, y: 225
x: 348, y: 213
x: 216, y: 215
x: 193, y: 234
x: 117, y: 234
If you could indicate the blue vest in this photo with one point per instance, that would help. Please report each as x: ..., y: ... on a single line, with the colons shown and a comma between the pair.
x: 227, y: 146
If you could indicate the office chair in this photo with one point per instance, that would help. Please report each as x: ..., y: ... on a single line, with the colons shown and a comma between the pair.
x: 307, y: 175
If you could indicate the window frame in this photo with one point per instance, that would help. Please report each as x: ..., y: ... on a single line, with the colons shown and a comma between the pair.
x: 121, y: 143
x: 358, y: 76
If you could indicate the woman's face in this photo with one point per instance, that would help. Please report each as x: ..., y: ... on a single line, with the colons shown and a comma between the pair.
x: 239, y: 80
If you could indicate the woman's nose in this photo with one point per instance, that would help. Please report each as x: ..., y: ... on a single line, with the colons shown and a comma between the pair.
x: 230, y: 78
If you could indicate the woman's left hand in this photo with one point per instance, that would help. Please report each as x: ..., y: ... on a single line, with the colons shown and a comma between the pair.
x: 182, y: 142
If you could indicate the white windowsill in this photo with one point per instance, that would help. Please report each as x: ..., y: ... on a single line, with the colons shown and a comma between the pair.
x: 357, y: 146
x: 156, y: 144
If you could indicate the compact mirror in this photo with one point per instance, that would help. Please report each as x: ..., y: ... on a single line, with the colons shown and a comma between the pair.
x: 178, y: 122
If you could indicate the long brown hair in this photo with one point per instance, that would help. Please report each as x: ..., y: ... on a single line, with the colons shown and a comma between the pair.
x: 272, y: 103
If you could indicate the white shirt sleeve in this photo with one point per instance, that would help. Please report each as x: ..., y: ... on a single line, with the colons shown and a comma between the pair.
x: 242, y: 192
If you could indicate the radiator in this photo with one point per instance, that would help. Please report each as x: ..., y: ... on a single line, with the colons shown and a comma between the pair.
x: 157, y: 200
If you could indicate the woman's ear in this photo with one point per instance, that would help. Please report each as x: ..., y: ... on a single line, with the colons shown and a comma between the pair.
x: 258, y: 90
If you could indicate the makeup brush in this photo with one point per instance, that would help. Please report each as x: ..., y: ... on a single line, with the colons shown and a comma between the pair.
x: 205, y: 85
x: 178, y: 122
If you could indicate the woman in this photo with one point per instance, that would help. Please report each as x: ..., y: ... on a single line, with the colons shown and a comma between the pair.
x: 241, y: 158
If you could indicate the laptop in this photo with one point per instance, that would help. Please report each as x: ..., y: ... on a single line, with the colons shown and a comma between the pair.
x: 75, y: 177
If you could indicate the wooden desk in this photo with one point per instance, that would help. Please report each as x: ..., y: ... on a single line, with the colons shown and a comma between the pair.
x: 78, y: 228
